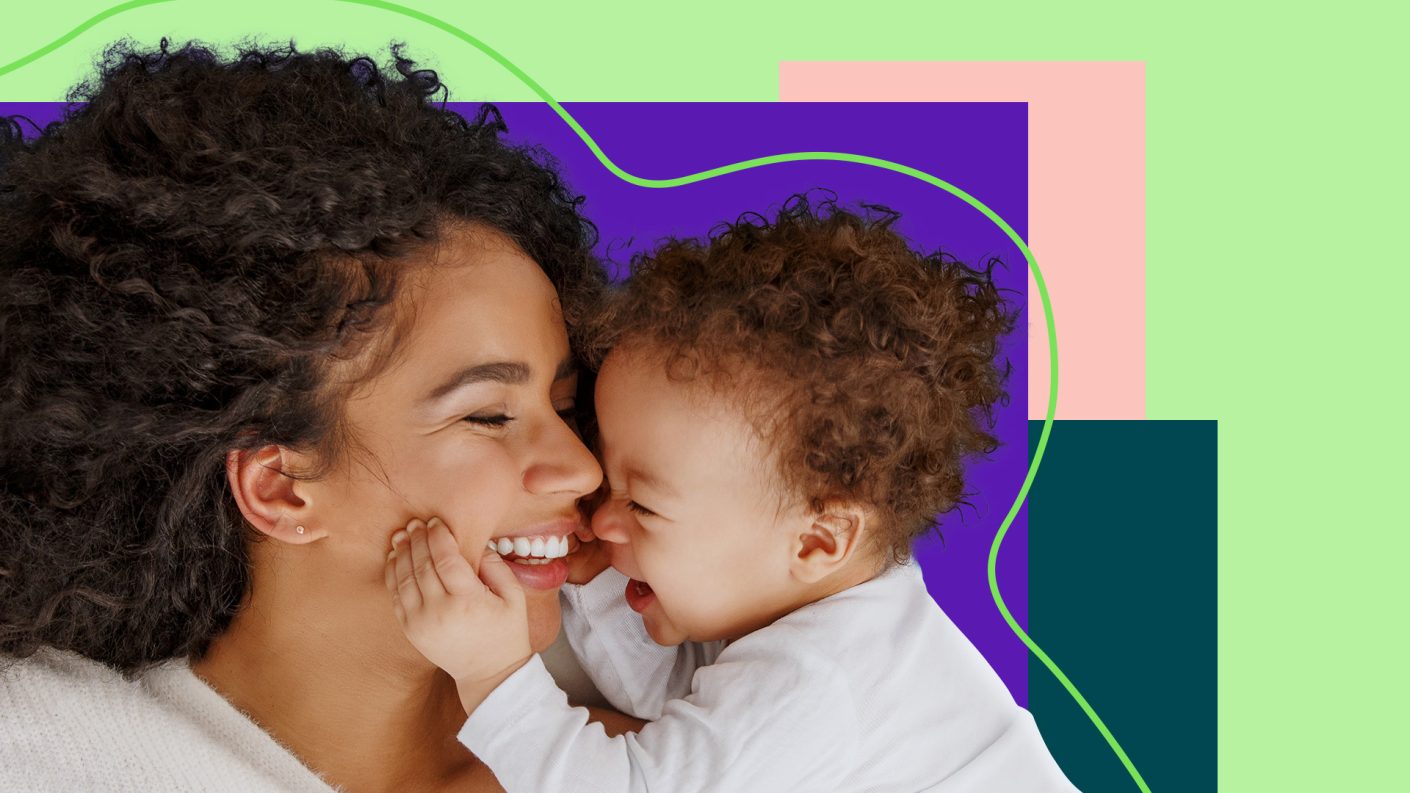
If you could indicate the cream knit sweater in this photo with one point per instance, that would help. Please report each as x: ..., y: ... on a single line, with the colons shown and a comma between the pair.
x: 71, y: 724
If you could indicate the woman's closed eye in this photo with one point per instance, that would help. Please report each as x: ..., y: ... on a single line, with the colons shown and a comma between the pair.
x: 494, y: 421
x: 499, y: 420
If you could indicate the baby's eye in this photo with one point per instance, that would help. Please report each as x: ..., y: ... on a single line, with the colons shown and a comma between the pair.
x: 638, y: 509
x: 496, y: 421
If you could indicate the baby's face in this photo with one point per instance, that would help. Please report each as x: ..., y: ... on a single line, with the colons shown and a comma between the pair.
x: 692, y: 516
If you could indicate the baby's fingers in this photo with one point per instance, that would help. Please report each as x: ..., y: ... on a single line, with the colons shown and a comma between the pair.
x: 455, y: 572
x: 407, y: 591
x: 422, y: 566
x: 495, y: 572
x: 390, y: 577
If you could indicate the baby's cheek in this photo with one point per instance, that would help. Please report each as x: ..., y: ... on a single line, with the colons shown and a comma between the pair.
x: 663, y: 630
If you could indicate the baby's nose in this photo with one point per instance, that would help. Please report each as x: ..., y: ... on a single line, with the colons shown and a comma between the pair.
x: 607, y: 522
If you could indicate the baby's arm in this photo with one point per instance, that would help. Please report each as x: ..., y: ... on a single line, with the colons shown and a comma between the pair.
x: 473, y: 624
x: 635, y: 674
x: 755, y: 721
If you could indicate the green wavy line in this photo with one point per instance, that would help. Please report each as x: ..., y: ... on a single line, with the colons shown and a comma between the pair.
x: 73, y: 34
x: 744, y: 165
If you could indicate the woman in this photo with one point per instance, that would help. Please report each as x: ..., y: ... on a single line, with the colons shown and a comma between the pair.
x: 256, y: 314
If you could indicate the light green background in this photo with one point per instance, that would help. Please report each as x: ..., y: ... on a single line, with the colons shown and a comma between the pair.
x: 1275, y: 274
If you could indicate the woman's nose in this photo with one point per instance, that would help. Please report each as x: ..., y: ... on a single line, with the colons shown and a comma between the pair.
x: 562, y: 465
x: 607, y: 522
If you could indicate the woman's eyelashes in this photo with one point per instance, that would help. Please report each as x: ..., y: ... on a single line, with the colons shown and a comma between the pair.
x: 495, y: 421
x: 500, y: 420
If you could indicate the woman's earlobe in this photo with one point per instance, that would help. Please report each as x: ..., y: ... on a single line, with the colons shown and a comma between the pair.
x: 271, y: 500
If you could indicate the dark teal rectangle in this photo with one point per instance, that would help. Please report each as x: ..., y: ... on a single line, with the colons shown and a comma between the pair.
x: 1122, y: 587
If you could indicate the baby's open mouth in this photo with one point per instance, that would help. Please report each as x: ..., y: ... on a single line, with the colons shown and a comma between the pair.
x: 639, y: 595
x: 539, y: 549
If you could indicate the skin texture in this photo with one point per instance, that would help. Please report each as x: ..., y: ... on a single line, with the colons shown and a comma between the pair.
x: 318, y: 623
x: 694, y: 510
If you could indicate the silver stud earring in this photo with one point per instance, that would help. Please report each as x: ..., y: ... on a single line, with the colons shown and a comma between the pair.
x: 299, y: 529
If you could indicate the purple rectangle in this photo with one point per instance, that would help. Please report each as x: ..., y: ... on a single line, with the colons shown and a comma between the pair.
x: 981, y: 148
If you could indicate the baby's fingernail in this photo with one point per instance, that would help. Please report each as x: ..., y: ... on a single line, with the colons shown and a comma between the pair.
x: 415, y: 525
x: 398, y: 538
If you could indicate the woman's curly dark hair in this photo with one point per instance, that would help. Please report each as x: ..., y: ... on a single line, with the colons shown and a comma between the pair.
x: 869, y: 368
x: 182, y: 258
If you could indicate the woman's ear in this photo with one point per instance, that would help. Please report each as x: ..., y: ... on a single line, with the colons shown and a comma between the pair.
x: 831, y: 538
x: 273, y: 502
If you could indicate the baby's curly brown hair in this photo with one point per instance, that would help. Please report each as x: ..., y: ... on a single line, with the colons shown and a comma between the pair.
x: 868, y: 367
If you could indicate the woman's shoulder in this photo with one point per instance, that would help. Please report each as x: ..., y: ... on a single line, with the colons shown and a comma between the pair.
x: 71, y: 723
x: 53, y: 687
x: 48, y: 666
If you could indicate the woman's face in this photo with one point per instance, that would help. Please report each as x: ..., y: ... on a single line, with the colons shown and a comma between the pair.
x: 467, y: 423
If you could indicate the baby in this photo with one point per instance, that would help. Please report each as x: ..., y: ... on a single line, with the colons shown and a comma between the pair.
x: 781, y: 411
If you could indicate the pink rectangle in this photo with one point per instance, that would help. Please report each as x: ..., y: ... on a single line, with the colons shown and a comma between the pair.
x: 1087, y: 191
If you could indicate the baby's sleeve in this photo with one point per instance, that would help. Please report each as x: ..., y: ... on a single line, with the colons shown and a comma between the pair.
x: 751, y: 723
x: 635, y: 674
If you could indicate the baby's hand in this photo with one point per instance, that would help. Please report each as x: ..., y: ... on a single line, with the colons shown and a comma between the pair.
x: 589, y: 559
x: 475, y: 627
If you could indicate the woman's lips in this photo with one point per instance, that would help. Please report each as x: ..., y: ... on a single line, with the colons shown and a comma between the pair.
x: 532, y: 555
x: 557, y: 526
x: 549, y: 575
x: 639, y: 595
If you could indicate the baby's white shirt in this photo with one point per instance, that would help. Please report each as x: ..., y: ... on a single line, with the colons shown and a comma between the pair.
x: 871, y: 690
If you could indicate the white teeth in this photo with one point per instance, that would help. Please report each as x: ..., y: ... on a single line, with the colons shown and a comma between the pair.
x: 539, y: 548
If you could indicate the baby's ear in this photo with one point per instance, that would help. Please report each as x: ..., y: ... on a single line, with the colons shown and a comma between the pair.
x: 830, y: 539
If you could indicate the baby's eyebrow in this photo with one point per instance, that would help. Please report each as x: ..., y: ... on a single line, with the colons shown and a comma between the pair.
x: 635, y: 474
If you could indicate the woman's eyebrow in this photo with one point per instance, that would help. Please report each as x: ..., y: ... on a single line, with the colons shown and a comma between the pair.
x: 507, y: 372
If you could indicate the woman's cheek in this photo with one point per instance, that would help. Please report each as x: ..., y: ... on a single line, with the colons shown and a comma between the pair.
x: 473, y: 491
